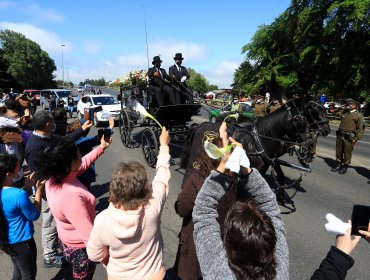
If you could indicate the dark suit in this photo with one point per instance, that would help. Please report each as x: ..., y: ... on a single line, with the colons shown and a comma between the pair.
x: 181, y: 93
x: 159, y: 87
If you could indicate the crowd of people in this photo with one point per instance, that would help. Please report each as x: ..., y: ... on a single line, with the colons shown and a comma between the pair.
x: 232, y: 225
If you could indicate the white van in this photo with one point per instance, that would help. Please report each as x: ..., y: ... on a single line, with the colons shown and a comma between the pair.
x: 59, y: 93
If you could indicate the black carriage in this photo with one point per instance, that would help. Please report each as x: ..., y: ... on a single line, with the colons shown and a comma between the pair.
x: 176, y: 118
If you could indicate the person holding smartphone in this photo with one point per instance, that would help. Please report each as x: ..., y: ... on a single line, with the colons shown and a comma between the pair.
x: 338, y: 261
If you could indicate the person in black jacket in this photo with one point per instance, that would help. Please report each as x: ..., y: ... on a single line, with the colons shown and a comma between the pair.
x: 158, y: 81
x: 338, y: 261
x: 179, y: 74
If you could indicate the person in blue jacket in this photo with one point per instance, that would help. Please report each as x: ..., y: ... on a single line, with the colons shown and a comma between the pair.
x: 17, y: 213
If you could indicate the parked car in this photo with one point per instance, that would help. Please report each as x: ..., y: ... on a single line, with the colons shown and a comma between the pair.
x: 80, y: 89
x: 60, y: 94
x: 218, y: 115
x: 107, y: 103
x: 35, y: 92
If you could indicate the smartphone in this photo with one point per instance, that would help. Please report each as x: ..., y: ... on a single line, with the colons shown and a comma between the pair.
x: 106, y: 132
x: 360, y: 218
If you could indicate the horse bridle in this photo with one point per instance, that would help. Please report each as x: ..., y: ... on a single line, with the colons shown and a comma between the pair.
x: 257, y: 137
x: 299, y: 122
x: 314, y: 124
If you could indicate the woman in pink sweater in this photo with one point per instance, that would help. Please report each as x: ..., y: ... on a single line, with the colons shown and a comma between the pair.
x: 126, y: 237
x: 71, y: 204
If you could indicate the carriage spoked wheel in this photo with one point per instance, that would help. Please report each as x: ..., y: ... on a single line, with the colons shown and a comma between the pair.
x: 149, y: 143
x: 124, y: 128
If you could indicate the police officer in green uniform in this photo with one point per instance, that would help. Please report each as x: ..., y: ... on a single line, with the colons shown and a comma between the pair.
x: 351, y: 129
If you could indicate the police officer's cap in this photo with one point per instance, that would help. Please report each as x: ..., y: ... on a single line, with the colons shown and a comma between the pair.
x: 350, y: 101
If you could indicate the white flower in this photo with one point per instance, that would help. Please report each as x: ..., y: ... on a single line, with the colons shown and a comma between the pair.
x: 143, y: 113
x: 215, y: 152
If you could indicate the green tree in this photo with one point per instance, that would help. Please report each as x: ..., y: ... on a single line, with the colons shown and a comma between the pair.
x: 25, y: 61
x: 198, y: 82
x: 316, y: 45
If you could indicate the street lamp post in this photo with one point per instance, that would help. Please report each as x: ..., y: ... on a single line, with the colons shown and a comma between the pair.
x: 63, y: 62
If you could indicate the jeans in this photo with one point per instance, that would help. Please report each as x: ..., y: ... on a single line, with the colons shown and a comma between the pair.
x: 70, y: 109
x: 49, y: 233
x: 23, y: 256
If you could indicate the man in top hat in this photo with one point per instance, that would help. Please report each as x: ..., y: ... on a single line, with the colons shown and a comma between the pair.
x: 158, y: 81
x: 351, y: 129
x: 179, y: 74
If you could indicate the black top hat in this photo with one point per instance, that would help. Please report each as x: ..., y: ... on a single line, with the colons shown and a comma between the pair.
x: 178, y: 56
x: 156, y: 59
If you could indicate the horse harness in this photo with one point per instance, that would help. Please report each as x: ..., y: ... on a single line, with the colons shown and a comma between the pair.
x: 298, y: 122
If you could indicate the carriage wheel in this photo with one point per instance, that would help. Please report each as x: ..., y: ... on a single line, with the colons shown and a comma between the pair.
x: 149, y: 143
x: 124, y: 128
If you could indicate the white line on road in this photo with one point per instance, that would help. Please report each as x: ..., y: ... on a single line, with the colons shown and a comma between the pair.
x: 357, y: 141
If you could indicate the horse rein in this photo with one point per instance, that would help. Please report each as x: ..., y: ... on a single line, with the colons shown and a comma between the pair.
x: 256, y: 136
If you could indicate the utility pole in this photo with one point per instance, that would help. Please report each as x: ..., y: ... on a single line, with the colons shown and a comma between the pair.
x: 63, y: 62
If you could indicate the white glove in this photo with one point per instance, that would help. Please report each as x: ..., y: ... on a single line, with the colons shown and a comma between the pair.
x: 336, y: 225
x: 183, y: 79
x: 238, y: 158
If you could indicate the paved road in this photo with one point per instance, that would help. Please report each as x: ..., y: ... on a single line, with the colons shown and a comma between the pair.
x: 320, y: 192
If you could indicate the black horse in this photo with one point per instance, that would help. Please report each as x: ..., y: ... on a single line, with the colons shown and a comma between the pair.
x: 266, y: 139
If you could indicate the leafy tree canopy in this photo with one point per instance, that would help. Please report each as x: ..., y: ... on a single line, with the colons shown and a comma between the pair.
x: 198, y: 82
x: 321, y: 46
x: 23, y: 63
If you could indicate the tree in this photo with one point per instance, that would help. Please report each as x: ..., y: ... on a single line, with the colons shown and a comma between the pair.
x: 198, y: 82
x: 25, y: 62
x: 320, y: 46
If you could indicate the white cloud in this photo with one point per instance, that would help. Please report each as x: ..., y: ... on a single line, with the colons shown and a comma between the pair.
x: 167, y: 48
x: 223, y: 73
x: 41, y: 14
x: 49, y: 41
x: 192, y: 52
x: 93, y: 47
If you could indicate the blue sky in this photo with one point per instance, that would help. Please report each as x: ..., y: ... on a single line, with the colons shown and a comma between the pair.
x: 107, y: 38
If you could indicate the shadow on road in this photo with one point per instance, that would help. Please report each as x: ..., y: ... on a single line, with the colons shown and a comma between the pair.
x: 363, y: 171
x: 98, y: 191
x: 359, y: 169
x: 329, y: 161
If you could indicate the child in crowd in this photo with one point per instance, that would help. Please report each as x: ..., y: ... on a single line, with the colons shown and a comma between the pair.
x: 126, y: 237
x: 85, y: 145
x: 17, y: 213
x: 71, y: 204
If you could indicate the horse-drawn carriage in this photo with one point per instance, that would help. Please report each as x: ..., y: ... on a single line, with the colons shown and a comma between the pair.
x: 264, y: 139
x: 176, y: 119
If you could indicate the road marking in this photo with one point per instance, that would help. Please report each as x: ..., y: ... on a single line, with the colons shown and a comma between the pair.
x: 360, y: 141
